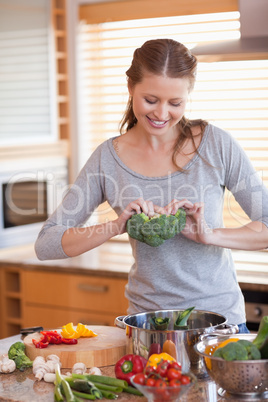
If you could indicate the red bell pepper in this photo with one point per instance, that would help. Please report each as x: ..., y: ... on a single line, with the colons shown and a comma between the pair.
x: 52, y: 337
x: 129, y: 365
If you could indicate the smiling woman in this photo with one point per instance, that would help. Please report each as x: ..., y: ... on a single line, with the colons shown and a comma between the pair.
x: 232, y: 94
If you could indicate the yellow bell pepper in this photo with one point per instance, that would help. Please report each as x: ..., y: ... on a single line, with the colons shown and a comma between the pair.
x: 69, y: 332
x: 155, y: 359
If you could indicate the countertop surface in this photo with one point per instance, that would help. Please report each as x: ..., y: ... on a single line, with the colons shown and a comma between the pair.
x: 23, y: 387
x: 114, y: 259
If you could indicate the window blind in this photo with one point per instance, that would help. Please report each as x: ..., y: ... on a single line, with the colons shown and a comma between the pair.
x: 25, y: 72
x: 230, y: 94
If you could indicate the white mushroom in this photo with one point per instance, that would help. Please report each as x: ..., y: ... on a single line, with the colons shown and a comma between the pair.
x: 94, y: 371
x: 79, y: 368
x: 42, y: 367
x: 7, y: 365
x: 50, y: 377
x: 54, y: 358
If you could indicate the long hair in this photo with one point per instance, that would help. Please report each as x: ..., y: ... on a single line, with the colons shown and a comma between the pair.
x: 164, y: 57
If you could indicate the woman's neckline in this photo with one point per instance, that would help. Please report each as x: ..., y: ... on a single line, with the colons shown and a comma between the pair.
x: 164, y: 177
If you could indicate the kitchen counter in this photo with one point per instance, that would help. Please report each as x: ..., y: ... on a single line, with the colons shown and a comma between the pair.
x: 96, y: 283
x: 114, y: 259
x: 23, y: 387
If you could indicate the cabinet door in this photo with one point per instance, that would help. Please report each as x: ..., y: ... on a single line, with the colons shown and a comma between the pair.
x: 84, y: 292
x: 51, y: 318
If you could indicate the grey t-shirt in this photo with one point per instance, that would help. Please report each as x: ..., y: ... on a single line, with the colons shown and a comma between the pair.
x: 180, y: 273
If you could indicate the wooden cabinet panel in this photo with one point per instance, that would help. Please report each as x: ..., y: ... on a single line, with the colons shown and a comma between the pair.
x: 51, y: 318
x: 84, y: 292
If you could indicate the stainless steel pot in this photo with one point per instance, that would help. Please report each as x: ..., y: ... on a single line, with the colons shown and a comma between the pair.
x: 143, y: 339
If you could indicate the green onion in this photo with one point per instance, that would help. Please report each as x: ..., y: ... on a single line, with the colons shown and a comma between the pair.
x: 106, y: 387
x: 132, y: 390
x: 109, y: 394
x: 84, y: 396
x: 102, y: 379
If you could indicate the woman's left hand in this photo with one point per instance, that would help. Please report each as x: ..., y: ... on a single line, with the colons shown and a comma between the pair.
x: 196, y: 228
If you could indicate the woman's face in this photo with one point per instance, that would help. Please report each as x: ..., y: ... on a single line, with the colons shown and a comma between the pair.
x: 159, y: 102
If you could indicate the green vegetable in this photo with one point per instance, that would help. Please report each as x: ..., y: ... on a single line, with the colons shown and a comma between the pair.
x: 160, y: 323
x: 132, y: 390
x: 252, y: 350
x: 105, y: 387
x: 16, y: 352
x: 261, y: 340
x: 109, y: 394
x: 232, y: 351
x: 240, y: 350
x: 154, y: 231
x: 181, y: 321
x: 84, y: 386
x: 102, y: 379
x: 64, y: 386
x: 58, y: 397
x: 84, y: 396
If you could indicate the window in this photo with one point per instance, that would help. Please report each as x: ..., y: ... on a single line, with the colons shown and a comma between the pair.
x: 26, y: 73
x: 230, y: 94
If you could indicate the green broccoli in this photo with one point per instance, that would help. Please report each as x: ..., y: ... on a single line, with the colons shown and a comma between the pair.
x: 232, y: 351
x: 154, y: 231
x: 240, y: 350
x: 16, y: 352
x: 252, y: 350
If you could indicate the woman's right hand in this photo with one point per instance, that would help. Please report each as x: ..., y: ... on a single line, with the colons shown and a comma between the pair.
x: 136, y: 207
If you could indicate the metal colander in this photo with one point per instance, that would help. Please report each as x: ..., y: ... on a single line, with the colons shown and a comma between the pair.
x: 248, y: 377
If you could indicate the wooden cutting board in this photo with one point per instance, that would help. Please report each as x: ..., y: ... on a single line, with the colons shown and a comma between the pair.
x: 103, y: 350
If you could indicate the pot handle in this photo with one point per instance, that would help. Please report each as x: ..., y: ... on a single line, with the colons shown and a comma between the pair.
x: 225, y: 329
x: 118, y: 322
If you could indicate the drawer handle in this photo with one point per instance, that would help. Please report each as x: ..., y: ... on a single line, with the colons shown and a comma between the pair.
x: 93, y: 288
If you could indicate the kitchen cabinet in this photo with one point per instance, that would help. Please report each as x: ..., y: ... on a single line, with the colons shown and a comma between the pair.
x: 11, y: 303
x: 51, y: 299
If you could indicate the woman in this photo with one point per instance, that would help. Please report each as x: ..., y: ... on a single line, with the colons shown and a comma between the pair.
x: 162, y: 162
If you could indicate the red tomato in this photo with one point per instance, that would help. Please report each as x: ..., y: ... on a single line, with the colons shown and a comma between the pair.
x: 173, y: 374
x: 161, y: 384
x: 185, y: 379
x: 162, y: 368
x: 175, y: 365
x: 175, y: 383
x: 139, y: 378
x: 150, y: 382
x: 150, y: 370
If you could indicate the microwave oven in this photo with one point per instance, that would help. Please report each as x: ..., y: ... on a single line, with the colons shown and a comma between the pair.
x: 27, y: 198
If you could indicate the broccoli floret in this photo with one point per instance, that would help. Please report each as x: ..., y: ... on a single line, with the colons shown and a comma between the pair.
x: 16, y: 352
x: 154, y: 231
x: 134, y: 225
x: 252, y: 350
x: 232, y: 351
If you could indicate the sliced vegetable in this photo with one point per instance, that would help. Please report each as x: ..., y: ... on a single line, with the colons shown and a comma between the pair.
x: 51, y: 337
x: 181, y: 321
x: 68, y: 331
x: 160, y: 323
